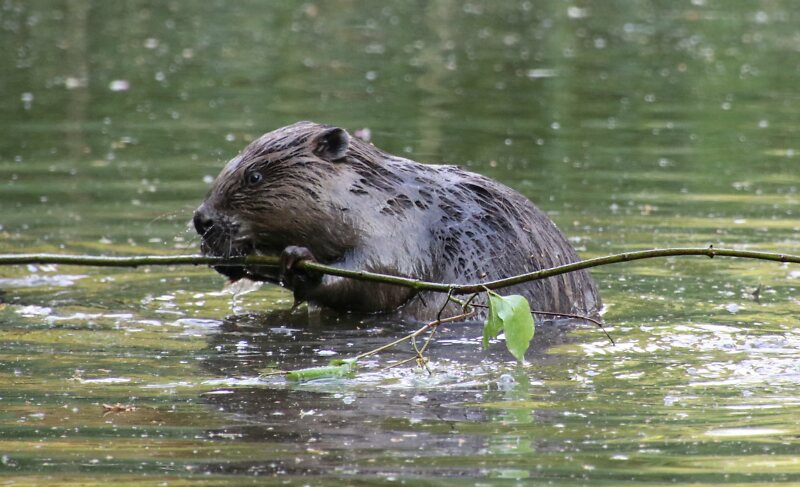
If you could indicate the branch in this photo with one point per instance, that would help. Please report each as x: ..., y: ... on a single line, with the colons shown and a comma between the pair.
x: 132, y: 261
x: 417, y: 284
x: 346, y: 367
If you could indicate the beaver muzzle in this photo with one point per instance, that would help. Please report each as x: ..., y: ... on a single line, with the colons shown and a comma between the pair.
x: 220, y: 237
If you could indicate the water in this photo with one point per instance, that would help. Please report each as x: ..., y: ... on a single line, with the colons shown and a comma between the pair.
x: 635, y: 125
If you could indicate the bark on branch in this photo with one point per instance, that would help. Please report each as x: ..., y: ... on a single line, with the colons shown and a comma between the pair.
x: 419, y: 285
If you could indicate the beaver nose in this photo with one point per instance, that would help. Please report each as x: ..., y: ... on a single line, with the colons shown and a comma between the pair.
x: 202, y: 221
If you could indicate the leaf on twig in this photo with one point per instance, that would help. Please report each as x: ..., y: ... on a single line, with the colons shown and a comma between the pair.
x: 335, y: 368
x: 494, y: 323
x: 511, y: 315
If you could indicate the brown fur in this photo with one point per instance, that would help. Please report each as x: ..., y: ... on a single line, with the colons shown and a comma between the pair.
x: 353, y: 206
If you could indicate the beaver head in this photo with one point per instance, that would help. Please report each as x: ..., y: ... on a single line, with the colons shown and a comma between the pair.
x: 281, y: 190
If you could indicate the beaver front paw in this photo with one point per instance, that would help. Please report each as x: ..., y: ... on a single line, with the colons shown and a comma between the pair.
x: 298, y: 280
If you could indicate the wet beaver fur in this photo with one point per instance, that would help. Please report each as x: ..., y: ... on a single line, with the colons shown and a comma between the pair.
x: 310, y: 191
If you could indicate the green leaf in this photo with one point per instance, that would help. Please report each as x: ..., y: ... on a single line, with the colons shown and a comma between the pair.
x: 512, y: 315
x: 494, y: 323
x: 336, y: 368
x: 518, y: 326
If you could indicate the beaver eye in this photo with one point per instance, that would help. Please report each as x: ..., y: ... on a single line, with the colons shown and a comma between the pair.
x: 254, y: 178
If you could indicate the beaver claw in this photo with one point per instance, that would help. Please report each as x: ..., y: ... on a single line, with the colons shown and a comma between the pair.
x: 298, y: 280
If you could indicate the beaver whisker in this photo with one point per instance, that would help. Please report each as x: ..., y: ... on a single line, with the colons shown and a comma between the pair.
x: 207, y: 232
x: 229, y: 253
x: 168, y: 215
x: 242, y: 239
x: 191, y: 241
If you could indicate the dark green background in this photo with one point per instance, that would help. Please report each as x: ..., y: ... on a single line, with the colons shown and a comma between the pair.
x: 634, y: 124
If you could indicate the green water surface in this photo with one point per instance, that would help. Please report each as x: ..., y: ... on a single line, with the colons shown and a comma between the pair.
x: 634, y: 124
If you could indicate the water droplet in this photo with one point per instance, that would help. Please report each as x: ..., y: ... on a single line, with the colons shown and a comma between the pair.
x: 541, y: 73
x: 119, y: 85
x: 732, y: 308
x: 574, y: 12
x: 72, y: 83
x: 27, y: 100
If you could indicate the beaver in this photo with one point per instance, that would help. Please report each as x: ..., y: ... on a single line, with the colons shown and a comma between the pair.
x: 310, y: 191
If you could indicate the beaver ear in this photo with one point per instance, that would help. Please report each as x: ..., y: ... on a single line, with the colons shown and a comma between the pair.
x: 332, y: 144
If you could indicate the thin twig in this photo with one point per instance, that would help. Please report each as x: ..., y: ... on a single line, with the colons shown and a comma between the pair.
x: 579, y: 317
x: 465, y: 309
x: 465, y: 306
x: 565, y: 315
x: 446, y: 301
x: 428, y: 340
x: 412, y: 335
x: 433, y: 326
x: 402, y: 362
x: 273, y: 372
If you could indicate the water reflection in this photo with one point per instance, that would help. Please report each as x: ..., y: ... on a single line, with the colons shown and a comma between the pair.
x: 633, y: 125
x: 349, y: 424
x: 288, y: 340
